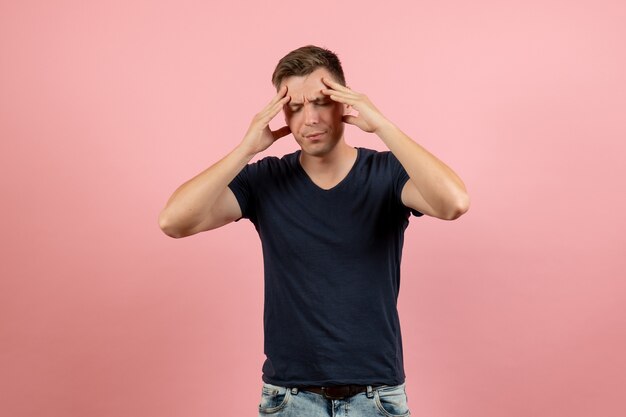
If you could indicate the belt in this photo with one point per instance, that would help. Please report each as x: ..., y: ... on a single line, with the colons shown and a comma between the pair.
x: 338, y: 392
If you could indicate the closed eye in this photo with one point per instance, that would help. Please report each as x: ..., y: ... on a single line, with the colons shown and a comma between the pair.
x: 324, y: 103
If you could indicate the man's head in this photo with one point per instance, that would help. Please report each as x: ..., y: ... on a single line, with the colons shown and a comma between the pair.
x: 313, y: 118
x: 305, y: 60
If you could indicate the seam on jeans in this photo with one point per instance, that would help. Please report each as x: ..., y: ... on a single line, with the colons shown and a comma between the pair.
x: 385, y: 412
x: 283, y: 404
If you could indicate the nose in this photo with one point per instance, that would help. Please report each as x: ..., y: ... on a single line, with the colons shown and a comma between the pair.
x: 310, y: 114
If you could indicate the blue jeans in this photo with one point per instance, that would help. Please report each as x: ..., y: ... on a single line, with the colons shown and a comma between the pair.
x: 383, y: 401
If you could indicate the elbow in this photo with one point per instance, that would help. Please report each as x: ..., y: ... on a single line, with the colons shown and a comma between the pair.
x: 458, y: 208
x: 168, y: 227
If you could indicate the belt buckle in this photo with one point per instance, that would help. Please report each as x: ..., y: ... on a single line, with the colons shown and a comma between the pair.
x: 336, y: 393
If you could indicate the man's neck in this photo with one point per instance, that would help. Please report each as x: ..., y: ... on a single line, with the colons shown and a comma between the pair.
x: 331, y: 168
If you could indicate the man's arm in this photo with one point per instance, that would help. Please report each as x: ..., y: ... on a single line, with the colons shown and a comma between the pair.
x: 433, y: 189
x: 205, y: 202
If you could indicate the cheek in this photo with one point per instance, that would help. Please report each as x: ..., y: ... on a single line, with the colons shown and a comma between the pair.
x: 292, y: 119
x: 334, y: 112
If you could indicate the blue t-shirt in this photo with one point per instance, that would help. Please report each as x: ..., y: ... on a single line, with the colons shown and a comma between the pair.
x: 332, y: 269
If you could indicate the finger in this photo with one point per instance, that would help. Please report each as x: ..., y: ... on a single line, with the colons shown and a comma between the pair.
x: 271, y: 112
x: 351, y: 120
x: 347, y: 94
x: 334, y: 84
x: 267, y: 114
x: 279, y: 95
x: 341, y: 98
x: 283, y: 131
x: 275, y: 107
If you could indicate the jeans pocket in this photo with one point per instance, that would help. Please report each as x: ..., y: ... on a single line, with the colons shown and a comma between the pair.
x: 273, y: 398
x: 391, y: 401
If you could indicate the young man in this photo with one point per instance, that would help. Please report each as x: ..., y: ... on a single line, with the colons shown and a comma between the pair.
x: 331, y: 219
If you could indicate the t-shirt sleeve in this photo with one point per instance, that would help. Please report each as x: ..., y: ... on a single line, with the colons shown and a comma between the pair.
x: 400, y: 177
x: 243, y: 189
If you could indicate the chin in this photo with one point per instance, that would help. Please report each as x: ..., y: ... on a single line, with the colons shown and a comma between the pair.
x: 317, y: 149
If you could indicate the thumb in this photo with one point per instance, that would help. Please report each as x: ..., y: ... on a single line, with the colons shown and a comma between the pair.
x: 283, y: 131
x: 352, y: 120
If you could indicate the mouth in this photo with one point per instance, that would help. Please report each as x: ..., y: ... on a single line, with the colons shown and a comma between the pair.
x: 314, y: 135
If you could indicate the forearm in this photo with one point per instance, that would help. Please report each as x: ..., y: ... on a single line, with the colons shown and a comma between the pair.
x: 438, y: 184
x: 434, y: 185
x: 192, y: 207
x: 192, y: 202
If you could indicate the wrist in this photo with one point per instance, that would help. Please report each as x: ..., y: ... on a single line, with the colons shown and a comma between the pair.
x: 245, y: 152
x: 385, y: 128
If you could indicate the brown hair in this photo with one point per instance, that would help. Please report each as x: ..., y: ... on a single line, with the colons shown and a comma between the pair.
x: 305, y: 60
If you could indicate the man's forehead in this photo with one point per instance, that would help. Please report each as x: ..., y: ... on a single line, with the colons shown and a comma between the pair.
x: 311, y: 78
x: 308, y: 89
x: 301, y: 98
x: 309, y: 86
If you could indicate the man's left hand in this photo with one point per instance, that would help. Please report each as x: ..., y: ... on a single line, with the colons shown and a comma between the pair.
x: 370, y: 119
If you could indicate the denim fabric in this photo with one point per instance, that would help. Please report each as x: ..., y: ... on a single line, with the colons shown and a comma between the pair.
x: 383, y: 401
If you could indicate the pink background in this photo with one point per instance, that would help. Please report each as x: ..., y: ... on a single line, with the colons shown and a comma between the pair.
x: 517, y: 309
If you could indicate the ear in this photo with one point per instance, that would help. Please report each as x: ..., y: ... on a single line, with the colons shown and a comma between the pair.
x: 347, y: 109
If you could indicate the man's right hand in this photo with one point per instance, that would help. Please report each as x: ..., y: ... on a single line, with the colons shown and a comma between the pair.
x: 259, y: 136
